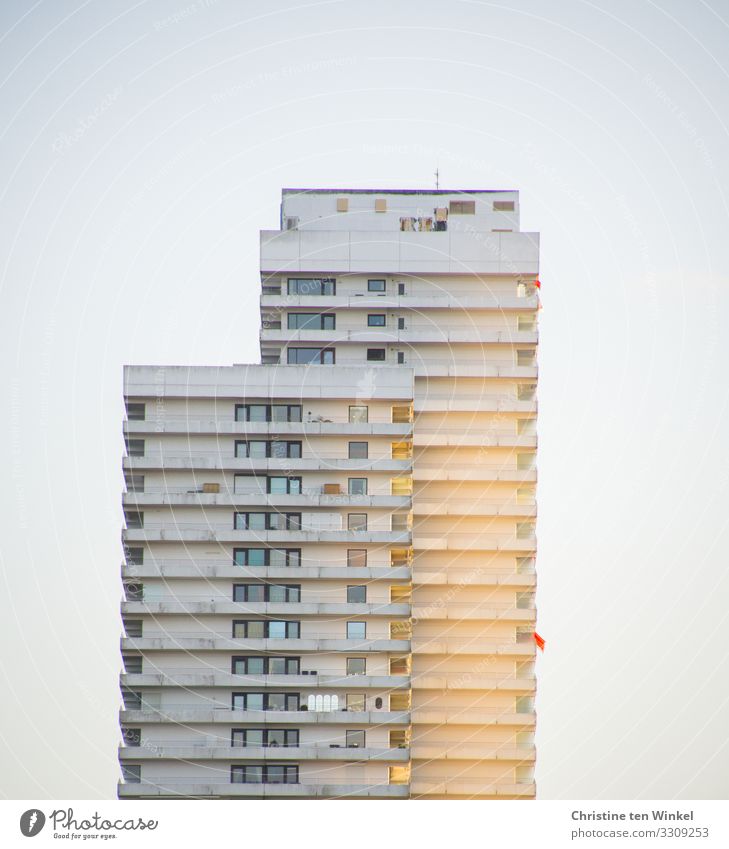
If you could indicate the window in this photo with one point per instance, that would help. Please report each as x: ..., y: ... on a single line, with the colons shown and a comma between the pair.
x: 134, y: 556
x: 355, y: 739
x: 525, y: 356
x: 400, y: 288
x: 401, y: 450
x: 380, y: 204
x: 264, y: 737
x: 400, y: 556
x: 401, y: 594
x: 400, y: 700
x: 131, y: 773
x: 277, y: 557
x: 401, y: 358
x: 135, y: 411
x: 462, y: 207
x: 358, y: 450
x: 132, y: 664
x: 375, y: 355
x: 355, y: 702
x: 133, y: 592
x: 265, y: 701
x: 356, y: 666
x: 268, y: 412
x: 310, y: 356
x: 358, y: 413
x: 401, y: 324
x: 357, y: 594
x: 401, y: 486
x: 402, y: 414
x: 266, y: 592
x: 525, y: 530
x: 503, y: 206
x: 311, y: 321
x: 399, y: 775
x: 257, y: 665
x: 267, y: 521
x: 401, y: 629
x: 262, y: 448
x: 132, y: 736
x: 356, y: 630
x: 264, y: 774
x: 526, y: 460
x: 284, y: 486
x: 357, y: 486
x: 342, y: 204
x: 260, y: 629
x: 400, y: 521
x: 134, y: 519
x: 375, y: 285
x: 311, y: 286
x: 357, y: 557
x: 400, y: 665
x: 526, y: 391
x: 135, y: 447
x: 134, y: 483
x: 377, y: 320
x: 526, y: 323
x: 357, y: 521
x: 132, y: 627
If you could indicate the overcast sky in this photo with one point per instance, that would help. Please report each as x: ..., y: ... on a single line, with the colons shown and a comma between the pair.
x: 144, y: 145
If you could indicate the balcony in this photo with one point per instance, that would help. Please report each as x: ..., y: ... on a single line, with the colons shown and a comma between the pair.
x: 486, y: 472
x: 451, y: 302
x: 469, y: 787
x: 227, y: 426
x: 209, y: 461
x: 199, y: 788
x: 472, y: 752
x: 487, y: 507
x: 471, y: 436
x: 398, y: 252
x: 474, y: 577
x: 220, y: 714
x: 219, y: 568
x: 435, y: 333
x: 456, y: 541
x: 204, y: 675
x: 474, y: 646
x: 474, y: 681
x: 470, y: 716
x: 208, y: 641
x: 176, y: 605
x: 187, y: 496
x: 189, y: 750
x: 469, y: 611
x: 488, y: 402
x: 223, y: 533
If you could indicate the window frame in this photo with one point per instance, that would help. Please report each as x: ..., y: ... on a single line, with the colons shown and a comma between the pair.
x: 350, y: 521
x: 362, y: 587
x: 267, y: 659
x: 269, y: 405
x: 292, y: 628
x: 266, y: 700
x: 292, y: 520
x: 371, y: 288
x: 361, y: 622
x: 364, y: 407
x: 323, y: 358
x: 327, y: 286
x: 325, y: 318
x: 371, y: 358
x: 267, y: 557
x: 377, y: 315
x: 358, y: 442
x: 363, y: 481
x: 359, y: 552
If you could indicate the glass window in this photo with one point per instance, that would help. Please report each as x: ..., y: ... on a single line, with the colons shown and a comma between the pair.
x: 277, y: 630
x: 358, y: 450
x: 255, y: 737
x: 355, y: 701
x: 358, y: 413
x: 376, y: 320
x: 278, y: 486
x: 257, y: 412
x: 311, y: 321
x: 356, y: 666
x: 135, y: 447
x: 357, y: 557
x: 311, y: 286
x: 357, y: 594
x: 309, y: 356
x: 254, y: 701
x: 375, y: 355
x: 357, y: 486
x: 375, y: 285
x: 135, y: 411
x: 357, y: 521
x: 356, y: 630
x: 278, y: 557
x: 355, y: 739
x: 256, y: 630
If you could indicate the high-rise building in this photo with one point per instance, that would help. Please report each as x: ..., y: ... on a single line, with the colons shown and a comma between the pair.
x: 329, y: 558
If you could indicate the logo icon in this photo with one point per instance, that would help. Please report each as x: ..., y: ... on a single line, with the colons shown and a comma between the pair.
x: 32, y: 822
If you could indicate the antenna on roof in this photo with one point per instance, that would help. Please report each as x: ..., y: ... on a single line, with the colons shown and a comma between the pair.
x: 437, y: 178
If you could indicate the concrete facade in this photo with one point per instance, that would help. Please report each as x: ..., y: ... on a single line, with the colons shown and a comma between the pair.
x: 373, y: 483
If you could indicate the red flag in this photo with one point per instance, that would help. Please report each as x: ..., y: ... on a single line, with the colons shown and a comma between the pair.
x: 539, y: 641
x: 537, y: 284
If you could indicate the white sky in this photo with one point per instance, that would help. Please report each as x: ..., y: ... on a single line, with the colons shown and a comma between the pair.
x: 144, y: 145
